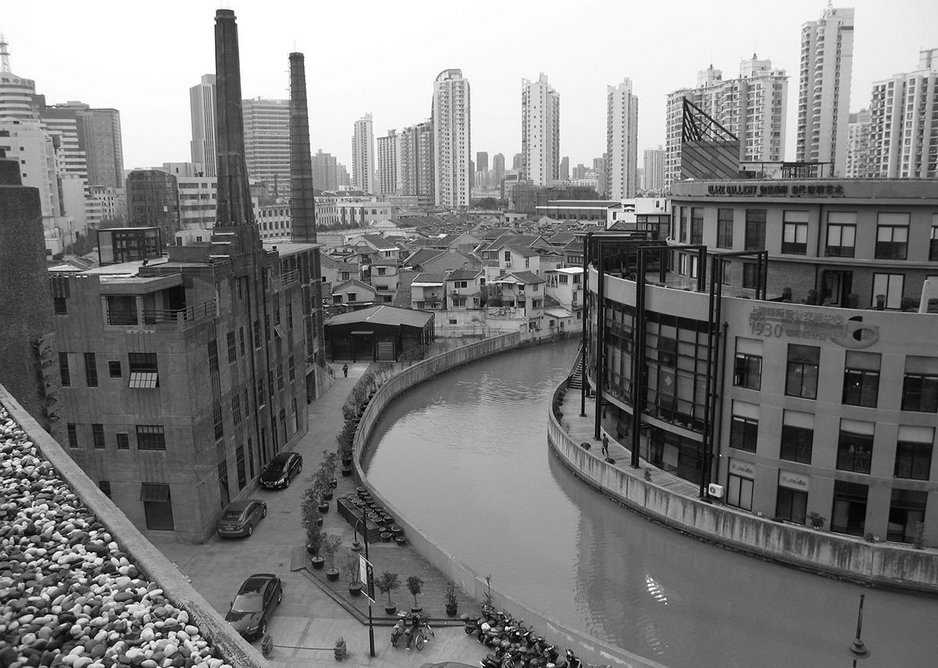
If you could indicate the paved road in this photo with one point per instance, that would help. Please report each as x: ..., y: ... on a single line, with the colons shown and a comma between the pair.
x: 308, y: 622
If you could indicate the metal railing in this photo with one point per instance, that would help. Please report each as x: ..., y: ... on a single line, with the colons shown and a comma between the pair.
x: 289, y: 276
x: 152, y: 316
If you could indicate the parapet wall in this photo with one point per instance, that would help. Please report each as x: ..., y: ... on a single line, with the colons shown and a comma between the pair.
x: 586, y: 647
x: 829, y: 553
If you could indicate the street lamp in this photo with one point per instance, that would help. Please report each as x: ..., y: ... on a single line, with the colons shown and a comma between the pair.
x: 857, y: 648
x: 371, y: 628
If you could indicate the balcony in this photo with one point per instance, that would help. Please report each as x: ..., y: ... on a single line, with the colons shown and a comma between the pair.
x: 122, y: 316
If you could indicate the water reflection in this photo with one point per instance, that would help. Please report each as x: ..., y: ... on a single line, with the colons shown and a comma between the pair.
x: 466, y: 457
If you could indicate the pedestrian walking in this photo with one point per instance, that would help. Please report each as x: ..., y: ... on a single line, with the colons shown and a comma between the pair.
x: 605, y: 445
x: 345, y: 370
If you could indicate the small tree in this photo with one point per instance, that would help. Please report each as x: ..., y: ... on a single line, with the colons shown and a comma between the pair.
x: 309, y: 518
x: 415, y: 586
x: 345, y: 439
x: 330, y: 545
x: 387, y: 583
x: 328, y: 465
x: 350, y: 568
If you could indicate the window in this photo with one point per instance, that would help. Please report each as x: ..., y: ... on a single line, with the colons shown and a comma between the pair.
x: 892, y: 236
x: 232, y: 348
x: 755, y: 229
x: 747, y: 368
x: 849, y: 512
x: 72, y: 435
x: 260, y: 401
x: 236, y: 408
x: 97, y: 433
x: 795, y: 233
x: 150, y: 437
x: 91, y: 370
x: 291, y: 365
x: 114, y: 369
x: 105, y: 487
x: 739, y: 492
x: 144, y: 373
x: 241, y: 339
x: 906, y: 512
x: 791, y: 505
x: 123, y: 441
x: 257, y: 334
x: 913, y: 452
x: 696, y: 225
x: 280, y: 376
x: 920, y: 386
x: 217, y: 420
x: 797, y: 437
x: 744, y: 430
x: 64, y: 372
x: 933, y: 241
x: 855, y: 446
x: 751, y: 275
x: 507, y: 257
x: 60, y: 305
x: 157, y: 506
x: 724, y: 228
x: 888, y: 286
x: 802, y: 375
x: 841, y: 234
x: 861, y: 379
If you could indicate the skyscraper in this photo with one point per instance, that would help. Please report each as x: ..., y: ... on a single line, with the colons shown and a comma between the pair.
x: 565, y: 168
x: 752, y: 107
x: 389, y: 148
x: 17, y: 94
x: 621, y: 140
x: 267, y: 143
x: 451, y: 139
x: 324, y: 171
x: 498, y: 169
x: 824, y: 89
x: 858, y: 145
x: 540, y: 132
x: 363, y: 155
x: 416, y: 162
x: 202, y: 109
x: 654, y: 169
x: 903, y: 131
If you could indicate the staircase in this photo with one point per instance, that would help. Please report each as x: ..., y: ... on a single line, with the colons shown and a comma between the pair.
x: 575, y: 379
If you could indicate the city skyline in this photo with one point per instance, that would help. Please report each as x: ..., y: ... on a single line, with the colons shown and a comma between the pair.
x: 495, y: 49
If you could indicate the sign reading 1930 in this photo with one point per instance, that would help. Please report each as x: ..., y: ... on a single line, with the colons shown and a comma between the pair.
x: 777, y: 190
x: 777, y: 322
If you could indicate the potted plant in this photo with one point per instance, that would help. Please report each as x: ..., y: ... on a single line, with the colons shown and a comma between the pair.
x: 329, y: 462
x: 449, y: 599
x: 330, y: 545
x: 415, y: 586
x: 341, y: 649
x: 321, y: 485
x: 267, y: 646
x: 350, y: 569
x: 387, y: 583
x: 311, y: 519
x: 817, y: 520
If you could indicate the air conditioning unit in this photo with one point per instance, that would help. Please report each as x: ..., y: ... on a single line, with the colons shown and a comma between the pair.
x: 715, y: 490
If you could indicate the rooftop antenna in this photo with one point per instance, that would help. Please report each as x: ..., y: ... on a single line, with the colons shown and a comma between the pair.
x: 4, y: 54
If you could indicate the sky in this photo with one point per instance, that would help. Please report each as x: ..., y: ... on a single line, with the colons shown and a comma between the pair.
x: 381, y: 57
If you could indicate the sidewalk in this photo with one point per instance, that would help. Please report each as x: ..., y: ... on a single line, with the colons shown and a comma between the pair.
x: 314, y: 613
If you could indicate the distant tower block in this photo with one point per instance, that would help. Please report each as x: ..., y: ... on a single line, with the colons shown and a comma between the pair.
x: 234, y: 195
x: 302, y: 202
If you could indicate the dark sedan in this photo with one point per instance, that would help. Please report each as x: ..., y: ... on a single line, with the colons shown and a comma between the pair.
x: 281, y: 470
x: 240, y: 517
x: 254, y: 604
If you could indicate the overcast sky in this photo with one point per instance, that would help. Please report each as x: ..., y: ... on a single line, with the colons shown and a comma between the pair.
x: 381, y: 56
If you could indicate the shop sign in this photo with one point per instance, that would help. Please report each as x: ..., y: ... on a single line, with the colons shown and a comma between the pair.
x: 777, y: 190
x: 778, y: 322
x: 793, y: 480
x: 741, y: 468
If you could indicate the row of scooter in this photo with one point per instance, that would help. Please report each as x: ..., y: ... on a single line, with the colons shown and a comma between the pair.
x: 514, y: 644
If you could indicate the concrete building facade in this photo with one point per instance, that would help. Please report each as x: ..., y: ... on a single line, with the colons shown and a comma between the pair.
x: 654, y: 169
x: 389, y: 150
x: 324, y: 171
x: 452, y: 139
x: 202, y: 112
x: 416, y: 162
x: 824, y: 89
x: 363, y: 155
x: 858, y: 146
x: 267, y: 144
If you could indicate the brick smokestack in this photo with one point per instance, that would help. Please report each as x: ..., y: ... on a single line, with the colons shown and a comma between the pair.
x: 234, y: 195
x: 302, y: 203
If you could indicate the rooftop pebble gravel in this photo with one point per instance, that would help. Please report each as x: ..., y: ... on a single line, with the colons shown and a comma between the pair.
x: 69, y: 595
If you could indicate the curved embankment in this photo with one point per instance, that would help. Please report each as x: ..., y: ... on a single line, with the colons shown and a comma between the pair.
x: 469, y: 581
x: 838, y: 555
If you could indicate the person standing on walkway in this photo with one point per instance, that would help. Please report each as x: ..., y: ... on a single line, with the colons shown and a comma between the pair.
x: 345, y: 369
x: 605, y: 446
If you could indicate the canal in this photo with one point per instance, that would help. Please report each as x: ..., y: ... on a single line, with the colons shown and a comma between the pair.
x: 465, y: 457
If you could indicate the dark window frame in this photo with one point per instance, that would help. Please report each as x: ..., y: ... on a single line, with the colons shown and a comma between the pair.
x: 924, y: 397
x: 755, y: 229
x: 861, y: 387
x: 743, y: 371
x: 794, y: 247
x: 841, y: 250
x: 854, y: 452
x: 65, y: 374
x: 801, y: 374
x: 891, y: 249
x: 724, y: 228
x: 796, y: 444
x: 913, y: 460
x: 150, y: 437
x: 744, y: 433
x: 97, y: 435
x: 91, y: 369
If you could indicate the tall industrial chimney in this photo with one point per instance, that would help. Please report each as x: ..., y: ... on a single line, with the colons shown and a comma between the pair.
x: 302, y: 203
x: 234, y: 194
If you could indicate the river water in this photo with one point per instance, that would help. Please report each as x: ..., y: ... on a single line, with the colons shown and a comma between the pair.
x: 465, y: 457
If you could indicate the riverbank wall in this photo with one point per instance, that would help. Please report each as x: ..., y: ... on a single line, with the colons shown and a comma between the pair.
x: 837, y: 555
x: 475, y: 584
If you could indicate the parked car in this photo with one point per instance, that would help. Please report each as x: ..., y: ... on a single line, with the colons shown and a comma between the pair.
x: 253, y: 606
x: 281, y: 470
x: 240, y: 517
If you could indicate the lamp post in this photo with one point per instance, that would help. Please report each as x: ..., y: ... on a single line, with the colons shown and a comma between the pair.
x: 371, y: 628
x: 857, y: 648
